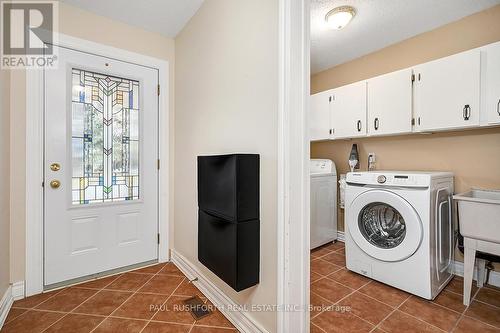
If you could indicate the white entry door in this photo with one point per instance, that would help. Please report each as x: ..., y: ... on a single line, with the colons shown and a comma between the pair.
x: 101, y: 174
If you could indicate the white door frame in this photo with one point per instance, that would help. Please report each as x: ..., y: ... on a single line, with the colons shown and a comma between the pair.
x: 293, y: 166
x: 35, y: 156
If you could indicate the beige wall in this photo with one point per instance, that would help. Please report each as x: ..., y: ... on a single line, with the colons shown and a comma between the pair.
x: 474, y: 156
x: 86, y: 25
x: 4, y: 185
x: 227, y: 101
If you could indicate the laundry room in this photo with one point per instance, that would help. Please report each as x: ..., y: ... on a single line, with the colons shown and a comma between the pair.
x: 405, y: 166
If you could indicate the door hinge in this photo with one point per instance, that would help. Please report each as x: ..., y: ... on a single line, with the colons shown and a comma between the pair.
x: 158, y: 164
x: 158, y: 90
x: 158, y: 238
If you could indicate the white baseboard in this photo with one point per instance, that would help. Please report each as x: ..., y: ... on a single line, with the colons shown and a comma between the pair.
x: 5, y: 305
x: 458, y: 269
x: 18, y: 290
x: 340, y: 236
x: 239, y: 319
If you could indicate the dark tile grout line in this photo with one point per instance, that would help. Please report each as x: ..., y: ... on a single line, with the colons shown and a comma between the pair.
x: 343, y: 298
x: 465, y: 310
x: 134, y: 293
x: 473, y: 318
x: 93, y: 296
x: 97, y: 290
x: 65, y: 314
x: 409, y: 314
x: 439, y: 305
x: 394, y: 308
x: 322, y: 330
x: 164, y: 302
x: 473, y: 298
x: 390, y: 313
x: 326, y: 277
x: 103, y: 288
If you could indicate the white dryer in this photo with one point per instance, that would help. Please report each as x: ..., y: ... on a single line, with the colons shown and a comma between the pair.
x: 399, y: 229
x: 323, y: 202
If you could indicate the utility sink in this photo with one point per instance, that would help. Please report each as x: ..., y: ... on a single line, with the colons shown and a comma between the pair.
x: 479, y: 214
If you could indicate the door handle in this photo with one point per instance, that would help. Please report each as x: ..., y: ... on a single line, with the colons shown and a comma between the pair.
x: 55, y: 184
x: 359, y: 125
x: 376, y: 123
x: 466, y: 112
x: 498, y: 107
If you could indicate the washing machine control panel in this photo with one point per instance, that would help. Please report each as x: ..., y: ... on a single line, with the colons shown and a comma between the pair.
x: 389, y: 179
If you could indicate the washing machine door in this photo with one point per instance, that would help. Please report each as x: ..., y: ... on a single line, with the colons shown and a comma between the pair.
x: 384, y: 225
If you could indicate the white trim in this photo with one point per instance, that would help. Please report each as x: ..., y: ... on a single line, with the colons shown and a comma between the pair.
x: 34, y: 154
x: 5, y: 305
x: 458, y: 269
x: 18, y: 290
x: 238, y: 318
x: 341, y: 236
x: 293, y: 166
x: 34, y: 179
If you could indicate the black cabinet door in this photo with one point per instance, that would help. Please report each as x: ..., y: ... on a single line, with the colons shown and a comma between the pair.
x: 229, y: 249
x: 228, y: 186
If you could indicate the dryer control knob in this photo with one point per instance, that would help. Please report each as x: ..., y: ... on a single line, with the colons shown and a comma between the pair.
x: 381, y: 179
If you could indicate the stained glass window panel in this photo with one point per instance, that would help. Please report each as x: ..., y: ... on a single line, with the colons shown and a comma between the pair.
x: 105, y: 138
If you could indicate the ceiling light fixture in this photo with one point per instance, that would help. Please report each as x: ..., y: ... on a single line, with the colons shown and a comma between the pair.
x: 339, y: 17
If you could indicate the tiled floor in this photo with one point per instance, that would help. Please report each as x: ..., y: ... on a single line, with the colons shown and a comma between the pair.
x: 347, y: 302
x: 140, y: 301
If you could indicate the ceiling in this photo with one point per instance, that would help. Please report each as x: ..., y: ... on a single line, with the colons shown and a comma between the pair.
x: 380, y: 23
x: 166, y: 17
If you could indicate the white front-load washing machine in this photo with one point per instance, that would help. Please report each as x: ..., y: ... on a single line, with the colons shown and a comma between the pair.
x: 399, y: 229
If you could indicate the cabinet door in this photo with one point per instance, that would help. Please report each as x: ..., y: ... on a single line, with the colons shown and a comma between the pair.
x: 319, y: 120
x: 348, y: 111
x: 390, y: 103
x: 447, y: 92
x: 490, y: 84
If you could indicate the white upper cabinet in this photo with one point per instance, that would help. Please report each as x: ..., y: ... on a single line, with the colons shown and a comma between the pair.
x: 390, y: 103
x: 447, y: 92
x: 457, y: 92
x: 319, y: 120
x: 348, y: 111
x: 490, y: 84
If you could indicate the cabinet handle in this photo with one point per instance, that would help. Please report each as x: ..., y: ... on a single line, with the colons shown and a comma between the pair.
x: 376, y: 123
x: 359, y: 125
x: 466, y: 112
x: 498, y: 107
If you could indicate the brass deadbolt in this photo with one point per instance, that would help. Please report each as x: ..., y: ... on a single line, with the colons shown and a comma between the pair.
x: 55, y: 167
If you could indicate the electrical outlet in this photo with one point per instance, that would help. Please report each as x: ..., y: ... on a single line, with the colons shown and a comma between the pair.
x: 371, y: 161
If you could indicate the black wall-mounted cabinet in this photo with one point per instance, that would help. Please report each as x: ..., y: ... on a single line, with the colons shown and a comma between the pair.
x: 228, y: 217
